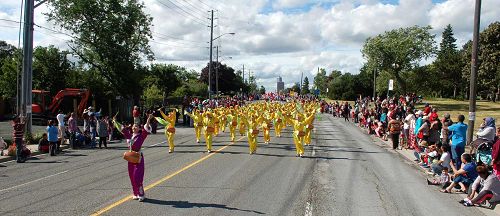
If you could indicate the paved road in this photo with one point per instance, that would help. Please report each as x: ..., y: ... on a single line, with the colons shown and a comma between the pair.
x: 344, y: 173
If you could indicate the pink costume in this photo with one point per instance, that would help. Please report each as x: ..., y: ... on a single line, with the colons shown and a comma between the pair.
x: 136, y: 171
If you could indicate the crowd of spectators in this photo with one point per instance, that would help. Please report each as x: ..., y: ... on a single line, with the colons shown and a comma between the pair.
x: 438, y: 143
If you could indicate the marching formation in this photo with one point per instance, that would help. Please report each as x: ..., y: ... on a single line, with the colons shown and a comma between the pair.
x: 250, y: 120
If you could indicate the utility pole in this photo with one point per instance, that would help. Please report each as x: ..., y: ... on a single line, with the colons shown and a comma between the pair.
x: 301, y: 76
x: 217, y: 72
x: 244, y: 73
x: 374, y: 83
x: 210, y: 62
x: 473, y: 74
x: 27, y: 74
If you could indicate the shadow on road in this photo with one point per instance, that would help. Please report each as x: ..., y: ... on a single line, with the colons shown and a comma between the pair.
x: 187, y: 204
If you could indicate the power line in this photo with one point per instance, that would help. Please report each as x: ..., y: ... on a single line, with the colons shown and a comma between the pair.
x: 174, y: 45
x: 8, y: 26
x: 209, y: 7
x: 195, y: 9
x: 176, y: 38
x: 185, y: 14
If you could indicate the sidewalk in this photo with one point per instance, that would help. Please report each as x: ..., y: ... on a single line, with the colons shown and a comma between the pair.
x: 408, y: 155
x: 33, y: 149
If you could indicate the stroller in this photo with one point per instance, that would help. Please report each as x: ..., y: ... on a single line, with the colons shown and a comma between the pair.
x: 482, y: 149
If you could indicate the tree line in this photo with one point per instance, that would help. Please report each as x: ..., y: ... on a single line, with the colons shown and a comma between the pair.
x: 109, y: 53
x: 402, y: 55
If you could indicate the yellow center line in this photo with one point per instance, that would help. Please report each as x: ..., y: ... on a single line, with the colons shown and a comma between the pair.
x: 125, y: 199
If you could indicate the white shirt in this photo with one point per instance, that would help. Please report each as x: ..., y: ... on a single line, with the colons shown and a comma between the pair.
x: 407, y: 121
x: 445, y: 157
x: 60, y: 118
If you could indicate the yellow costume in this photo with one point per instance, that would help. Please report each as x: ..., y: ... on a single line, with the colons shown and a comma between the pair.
x: 298, y: 131
x: 170, y: 129
x: 209, y: 126
x: 233, y: 122
x: 197, y: 123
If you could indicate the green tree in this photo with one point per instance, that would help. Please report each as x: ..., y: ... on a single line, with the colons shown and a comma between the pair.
x: 50, y: 67
x: 8, y: 72
x: 229, y: 82
x: 320, y: 81
x: 152, y: 96
x: 262, y: 90
x: 448, y: 65
x: 400, y: 50
x: 488, y: 79
x: 111, y: 36
x: 305, y: 86
x: 296, y: 87
x: 10, y: 59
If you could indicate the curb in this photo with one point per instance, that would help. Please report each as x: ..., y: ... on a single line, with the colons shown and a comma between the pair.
x: 389, y: 144
x: 33, y: 154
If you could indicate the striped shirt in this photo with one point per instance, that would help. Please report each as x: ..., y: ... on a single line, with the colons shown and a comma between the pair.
x: 18, y: 130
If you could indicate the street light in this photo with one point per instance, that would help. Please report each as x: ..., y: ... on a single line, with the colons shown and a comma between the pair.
x: 210, y: 62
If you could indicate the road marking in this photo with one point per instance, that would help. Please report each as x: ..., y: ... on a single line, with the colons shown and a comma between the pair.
x: 308, y: 209
x: 46, y: 177
x: 125, y: 199
x: 156, y: 144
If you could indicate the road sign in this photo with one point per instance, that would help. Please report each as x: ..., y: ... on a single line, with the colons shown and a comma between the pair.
x: 391, y: 85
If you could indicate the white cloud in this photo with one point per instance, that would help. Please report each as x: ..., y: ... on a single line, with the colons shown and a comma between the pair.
x: 272, y: 41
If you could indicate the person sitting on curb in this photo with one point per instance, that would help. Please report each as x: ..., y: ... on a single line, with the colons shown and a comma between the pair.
x: 443, y: 180
x: 464, y: 176
x: 486, y: 187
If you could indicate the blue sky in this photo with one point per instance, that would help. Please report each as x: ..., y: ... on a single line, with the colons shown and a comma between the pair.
x: 280, y: 37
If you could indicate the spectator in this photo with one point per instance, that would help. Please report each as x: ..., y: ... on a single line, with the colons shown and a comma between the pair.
x: 487, y: 130
x: 464, y: 176
x: 136, y: 114
x: 43, y: 144
x: 458, y: 132
x: 72, y: 128
x: 486, y: 187
x: 444, y: 179
x: 52, y: 132
x: 60, y: 120
x: 410, y: 117
x: 93, y: 130
x: 394, y: 130
x: 423, y: 131
x: 444, y: 161
x: 102, y: 132
x: 495, y: 155
x: 17, y: 135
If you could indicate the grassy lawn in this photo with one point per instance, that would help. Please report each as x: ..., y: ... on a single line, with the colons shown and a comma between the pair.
x: 455, y: 107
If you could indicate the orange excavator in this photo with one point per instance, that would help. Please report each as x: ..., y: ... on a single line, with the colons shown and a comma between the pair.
x: 41, y: 108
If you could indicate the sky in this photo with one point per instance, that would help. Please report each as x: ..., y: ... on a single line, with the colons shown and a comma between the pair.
x: 276, y: 37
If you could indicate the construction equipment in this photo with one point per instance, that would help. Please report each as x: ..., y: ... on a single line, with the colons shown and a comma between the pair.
x: 41, y: 108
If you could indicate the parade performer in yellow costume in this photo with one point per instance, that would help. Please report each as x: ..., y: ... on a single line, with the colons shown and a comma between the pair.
x: 298, y: 125
x: 209, y: 128
x: 242, y: 125
x: 169, y: 123
x: 278, y: 123
x: 222, y: 120
x: 309, y: 127
x: 252, y: 133
x: 197, y: 122
x: 216, y: 122
x: 266, y: 127
x: 233, y: 122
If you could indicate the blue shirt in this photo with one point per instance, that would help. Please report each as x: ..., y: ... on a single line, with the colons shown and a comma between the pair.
x: 459, y: 132
x: 470, y: 168
x: 418, y: 124
x: 52, y: 133
x: 383, y: 117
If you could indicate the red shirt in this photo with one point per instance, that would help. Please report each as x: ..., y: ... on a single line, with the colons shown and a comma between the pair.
x: 135, y: 113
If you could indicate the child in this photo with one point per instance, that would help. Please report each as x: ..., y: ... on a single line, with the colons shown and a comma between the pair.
x: 443, y: 181
x: 43, y: 145
x: 3, y: 145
